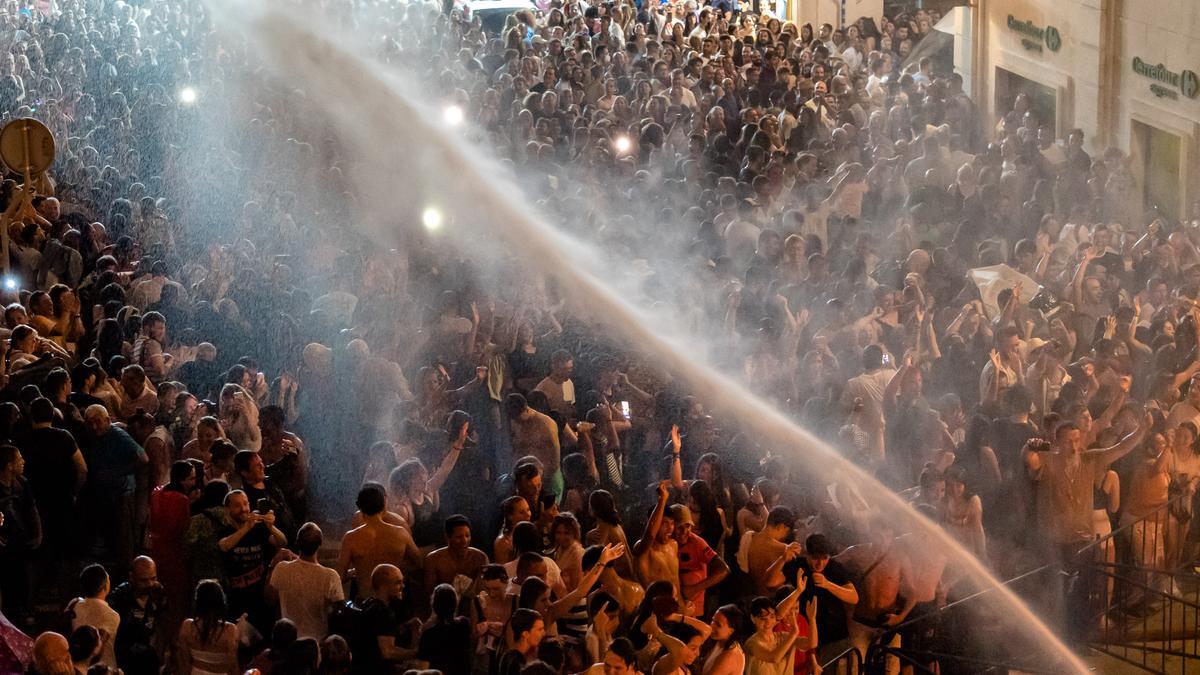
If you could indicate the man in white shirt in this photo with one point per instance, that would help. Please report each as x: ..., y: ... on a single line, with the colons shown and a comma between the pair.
x: 306, y: 589
x: 1051, y: 151
x: 558, y: 386
x: 92, y: 610
x: 679, y: 83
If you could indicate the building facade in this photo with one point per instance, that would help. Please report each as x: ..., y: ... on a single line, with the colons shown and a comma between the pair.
x: 1123, y: 71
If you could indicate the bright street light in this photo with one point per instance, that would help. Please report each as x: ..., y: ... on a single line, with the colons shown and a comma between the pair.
x: 187, y: 95
x: 453, y: 115
x: 432, y: 219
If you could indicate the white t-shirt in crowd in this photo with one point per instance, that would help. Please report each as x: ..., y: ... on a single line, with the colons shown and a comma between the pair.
x: 97, y: 614
x: 306, y: 590
x: 553, y: 575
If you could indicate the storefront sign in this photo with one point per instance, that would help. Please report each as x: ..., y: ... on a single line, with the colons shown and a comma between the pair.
x: 1034, y: 37
x: 1167, y: 81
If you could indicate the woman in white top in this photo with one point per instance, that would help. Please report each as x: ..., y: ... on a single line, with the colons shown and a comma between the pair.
x: 568, y: 552
x: 726, y: 657
x: 772, y: 653
x: 239, y: 417
x: 208, y: 643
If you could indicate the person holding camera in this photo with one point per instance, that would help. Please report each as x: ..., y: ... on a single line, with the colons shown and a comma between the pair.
x: 248, y: 543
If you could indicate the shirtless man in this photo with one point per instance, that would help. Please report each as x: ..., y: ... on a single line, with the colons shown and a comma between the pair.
x: 628, y: 593
x: 375, y: 543
x: 457, y: 563
x: 766, y: 553
x: 656, y: 554
x: 877, y: 566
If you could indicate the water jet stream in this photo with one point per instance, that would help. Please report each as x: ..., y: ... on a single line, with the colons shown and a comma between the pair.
x: 374, y: 113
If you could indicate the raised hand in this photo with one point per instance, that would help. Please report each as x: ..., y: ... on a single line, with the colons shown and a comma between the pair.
x: 611, y: 552
x: 650, y: 626
x: 1043, y: 241
x: 676, y: 443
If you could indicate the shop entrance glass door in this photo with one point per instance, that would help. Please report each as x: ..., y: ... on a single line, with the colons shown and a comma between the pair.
x: 1156, y: 153
x: 1043, y: 100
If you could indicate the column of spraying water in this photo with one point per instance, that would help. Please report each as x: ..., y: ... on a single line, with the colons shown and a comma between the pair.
x: 399, y: 140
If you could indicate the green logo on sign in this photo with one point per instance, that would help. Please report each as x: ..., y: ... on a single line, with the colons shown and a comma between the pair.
x: 1053, y: 38
x: 1187, y: 81
x: 1189, y: 84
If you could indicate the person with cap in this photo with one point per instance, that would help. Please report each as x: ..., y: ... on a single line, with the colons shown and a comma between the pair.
x: 830, y: 584
x: 700, y: 568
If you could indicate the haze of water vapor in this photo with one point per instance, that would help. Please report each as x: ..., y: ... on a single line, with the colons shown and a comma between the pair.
x: 411, y: 156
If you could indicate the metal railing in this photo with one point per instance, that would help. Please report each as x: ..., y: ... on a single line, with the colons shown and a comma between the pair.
x: 1162, y: 637
x: 1126, y: 606
x: 1140, y: 609
x: 849, y: 661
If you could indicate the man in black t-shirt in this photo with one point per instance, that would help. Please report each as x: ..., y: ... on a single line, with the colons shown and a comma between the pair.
x: 142, y: 604
x: 830, y: 583
x: 248, y: 542
x: 20, y: 534
x: 377, y: 648
x: 255, y: 483
x: 56, y: 471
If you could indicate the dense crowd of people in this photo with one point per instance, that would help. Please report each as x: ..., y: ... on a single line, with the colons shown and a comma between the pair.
x: 204, y: 361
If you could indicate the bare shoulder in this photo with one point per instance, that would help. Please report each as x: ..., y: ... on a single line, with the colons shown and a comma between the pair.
x: 352, y: 537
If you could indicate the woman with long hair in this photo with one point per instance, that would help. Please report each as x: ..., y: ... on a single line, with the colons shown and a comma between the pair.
x: 780, y: 637
x: 710, y: 470
x: 535, y: 594
x: 578, y: 483
x: 710, y: 524
x: 608, y: 528
x: 568, y: 551
x: 978, y: 461
x: 239, y: 417
x: 964, y: 513
x: 413, y: 495
x: 170, y: 513
x: 208, y: 643
x: 1185, y: 478
x: 1148, y: 493
x: 514, y: 510
x: 208, y: 432
x: 726, y: 656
